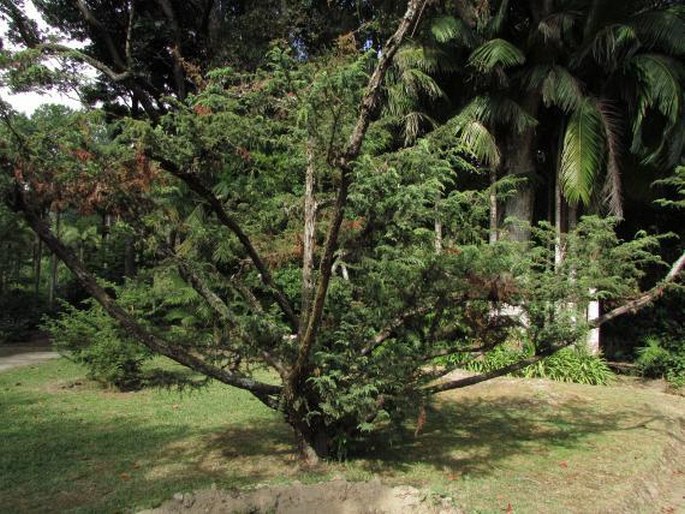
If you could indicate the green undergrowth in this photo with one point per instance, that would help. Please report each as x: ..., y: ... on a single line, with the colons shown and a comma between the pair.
x: 67, y: 445
x: 572, y: 364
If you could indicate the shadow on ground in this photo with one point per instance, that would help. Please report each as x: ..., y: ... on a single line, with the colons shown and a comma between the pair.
x: 54, y: 460
x: 473, y: 435
x: 60, y: 457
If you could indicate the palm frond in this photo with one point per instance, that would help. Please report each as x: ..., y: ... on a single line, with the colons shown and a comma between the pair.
x: 496, y: 53
x: 417, y: 83
x: 479, y: 141
x: 448, y: 29
x: 498, y: 111
x: 583, y: 152
x: 556, y: 26
x: 412, y: 56
x: 414, y: 126
x: 612, y: 191
x: 497, y: 21
x: 557, y: 86
x: 609, y: 47
x: 661, y: 30
x: 660, y: 87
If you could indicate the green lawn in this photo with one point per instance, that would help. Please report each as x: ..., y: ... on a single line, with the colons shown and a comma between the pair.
x: 67, y: 445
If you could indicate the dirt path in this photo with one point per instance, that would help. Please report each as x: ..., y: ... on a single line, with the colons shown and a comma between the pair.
x: 25, y: 354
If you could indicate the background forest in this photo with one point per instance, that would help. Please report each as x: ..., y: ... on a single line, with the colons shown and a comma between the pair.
x: 332, y: 205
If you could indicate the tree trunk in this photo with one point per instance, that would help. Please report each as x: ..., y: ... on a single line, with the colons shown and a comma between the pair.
x: 438, y: 226
x: 129, y: 258
x: 519, y: 161
x: 313, y: 445
x: 308, y: 235
x: 53, y: 265
x: 37, y: 264
x: 519, y: 207
x: 493, y: 206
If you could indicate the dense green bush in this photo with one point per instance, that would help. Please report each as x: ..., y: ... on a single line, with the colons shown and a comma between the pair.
x: 663, y: 358
x: 91, y: 337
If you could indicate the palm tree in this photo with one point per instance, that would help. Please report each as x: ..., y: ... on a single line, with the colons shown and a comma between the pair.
x: 579, y: 80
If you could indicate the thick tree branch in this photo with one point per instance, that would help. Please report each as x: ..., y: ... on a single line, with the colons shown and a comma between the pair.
x: 368, y: 107
x: 101, y: 31
x: 65, y: 51
x: 629, y: 307
x: 220, y: 307
x: 477, y: 379
x: 646, y: 298
x: 195, y: 185
x: 264, y: 392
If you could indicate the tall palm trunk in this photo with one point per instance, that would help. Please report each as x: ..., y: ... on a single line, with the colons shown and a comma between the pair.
x: 519, y: 161
x: 438, y: 225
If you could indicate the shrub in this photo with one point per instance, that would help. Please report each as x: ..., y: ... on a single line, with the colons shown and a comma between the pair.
x: 90, y: 337
x: 573, y: 364
x: 662, y: 358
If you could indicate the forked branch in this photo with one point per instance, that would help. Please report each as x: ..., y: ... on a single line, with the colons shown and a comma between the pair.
x: 368, y: 106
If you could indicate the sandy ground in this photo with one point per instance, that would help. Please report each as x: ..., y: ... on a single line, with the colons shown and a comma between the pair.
x: 25, y: 354
x: 335, y: 497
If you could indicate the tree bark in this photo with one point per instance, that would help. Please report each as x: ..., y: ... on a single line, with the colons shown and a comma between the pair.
x: 519, y: 161
x: 308, y: 235
x: 37, y: 264
x: 492, y: 236
x: 53, y: 266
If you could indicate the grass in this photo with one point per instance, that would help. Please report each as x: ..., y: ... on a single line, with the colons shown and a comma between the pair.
x: 67, y: 445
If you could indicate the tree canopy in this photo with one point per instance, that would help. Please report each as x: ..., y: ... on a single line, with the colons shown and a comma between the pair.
x: 306, y: 224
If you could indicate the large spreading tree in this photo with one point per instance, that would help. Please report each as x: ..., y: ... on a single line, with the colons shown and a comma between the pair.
x: 286, y: 226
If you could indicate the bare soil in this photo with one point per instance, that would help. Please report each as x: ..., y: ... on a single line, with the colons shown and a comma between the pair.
x: 334, y: 497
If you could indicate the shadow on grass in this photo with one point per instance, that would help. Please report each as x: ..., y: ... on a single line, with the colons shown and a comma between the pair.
x: 54, y: 460
x: 473, y: 436
x: 59, y: 453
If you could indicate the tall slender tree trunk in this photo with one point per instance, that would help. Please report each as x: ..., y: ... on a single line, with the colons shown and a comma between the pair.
x: 438, y: 225
x: 37, y: 264
x: 54, y: 262
x: 558, y: 222
x: 493, y: 236
x: 308, y: 234
x: 129, y: 258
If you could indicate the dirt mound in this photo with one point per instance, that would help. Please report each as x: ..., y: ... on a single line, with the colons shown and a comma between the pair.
x: 335, y: 497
